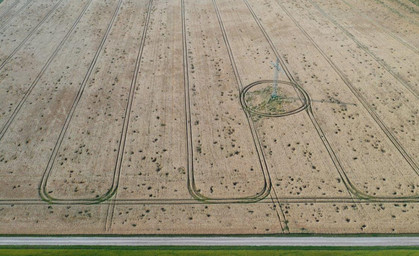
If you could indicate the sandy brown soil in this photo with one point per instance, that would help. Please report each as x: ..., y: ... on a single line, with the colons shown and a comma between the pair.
x: 130, y: 117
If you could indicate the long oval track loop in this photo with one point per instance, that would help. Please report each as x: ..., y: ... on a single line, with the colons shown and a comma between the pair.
x: 265, y: 191
x: 349, y: 185
x: 42, y: 187
x: 112, y: 191
x: 359, y: 96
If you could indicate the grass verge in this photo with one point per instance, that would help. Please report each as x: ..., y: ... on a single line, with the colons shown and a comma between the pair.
x: 238, y: 251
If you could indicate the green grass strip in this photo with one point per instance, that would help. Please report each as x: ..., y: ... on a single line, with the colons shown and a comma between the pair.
x: 205, y: 252
x: 185, y: 250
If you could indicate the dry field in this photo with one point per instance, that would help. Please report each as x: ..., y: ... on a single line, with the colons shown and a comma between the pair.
x: 154, y: 116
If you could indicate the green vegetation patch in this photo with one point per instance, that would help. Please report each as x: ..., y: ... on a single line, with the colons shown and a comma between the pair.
x: 262, y: 101
x: 416, y: 2
x: 238, y: 251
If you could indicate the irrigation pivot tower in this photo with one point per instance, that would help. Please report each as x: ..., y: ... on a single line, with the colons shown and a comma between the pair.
x: 277, y: 67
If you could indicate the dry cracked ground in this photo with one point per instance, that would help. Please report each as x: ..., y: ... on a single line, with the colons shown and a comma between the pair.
x: 156, y: 116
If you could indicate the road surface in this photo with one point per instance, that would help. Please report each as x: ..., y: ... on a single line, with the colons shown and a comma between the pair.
x: 213, y: 241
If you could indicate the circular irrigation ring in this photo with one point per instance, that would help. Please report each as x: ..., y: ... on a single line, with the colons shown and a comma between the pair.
x: 305, y: 98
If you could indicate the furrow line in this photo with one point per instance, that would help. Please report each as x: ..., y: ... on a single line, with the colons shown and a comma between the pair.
x: 335, y: 160
x: 30, y: 34
x: 361, y: 99
x: 41, y: 73
x: 191, y: 181
x: 10, y: 8
x: 414, y: 22
x: 42, y: 188
x: 118, y: 164
x: 366, y: 49
x: 15, y: 15
x: 388, y: 32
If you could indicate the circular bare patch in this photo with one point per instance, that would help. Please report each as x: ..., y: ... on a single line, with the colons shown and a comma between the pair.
x: 259, y: 98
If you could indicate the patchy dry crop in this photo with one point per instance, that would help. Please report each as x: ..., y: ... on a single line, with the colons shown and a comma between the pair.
x: 160, y: 117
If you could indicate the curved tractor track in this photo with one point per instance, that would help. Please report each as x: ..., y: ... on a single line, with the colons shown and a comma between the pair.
x: 197, y: 197
x: 303, y: 95
x: 359, y: 96
x: 349, y: 185
x: 43, y: 185
x: 266, y: 189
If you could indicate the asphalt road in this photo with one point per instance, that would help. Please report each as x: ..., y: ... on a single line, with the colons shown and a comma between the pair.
x: 214, y: 241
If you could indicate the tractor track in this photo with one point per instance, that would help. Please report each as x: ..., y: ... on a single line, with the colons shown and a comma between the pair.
x: 30, y: 34
x: 362, y: 46
x: 193, y: 201
x: 9, y: 9
x: 408, y: 8
x: 6, y: 23
x: 385, y: 30
x: 361, y: 99
x: 118, y: 165
x: 41, y: 73
x: 191, y: 179
x: 351, y: 188
x: 43, y: 184
x: 305, y: 97
x: 274, y: 197
x: 413, y: 22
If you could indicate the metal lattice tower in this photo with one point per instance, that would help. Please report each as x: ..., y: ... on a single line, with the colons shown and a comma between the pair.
x: 277, y: 67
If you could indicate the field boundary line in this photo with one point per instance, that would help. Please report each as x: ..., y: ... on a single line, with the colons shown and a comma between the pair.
x: 188, y: 201
x: 387, y: 31
x: 118, y: 164
x: 43, y: 184
x: 6, y: 23
x: 30, y: 34
x: 366, y: 49
x: 41, y: 73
